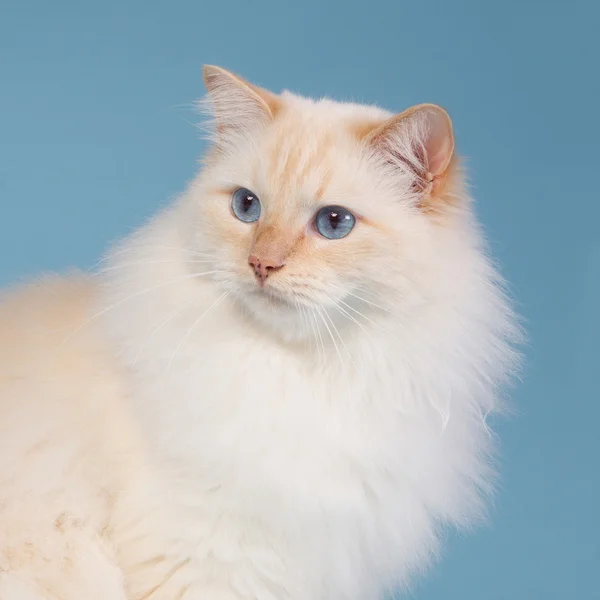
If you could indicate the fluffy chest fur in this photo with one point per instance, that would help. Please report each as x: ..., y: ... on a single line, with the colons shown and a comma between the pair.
x: 324, y: 467
x: 338, y: 458
x: 274, y: 424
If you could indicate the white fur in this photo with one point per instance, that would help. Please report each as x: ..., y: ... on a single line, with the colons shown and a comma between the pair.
x: 273, y: 463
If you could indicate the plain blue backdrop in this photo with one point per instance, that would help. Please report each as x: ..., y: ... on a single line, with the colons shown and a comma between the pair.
x: 97, y: 132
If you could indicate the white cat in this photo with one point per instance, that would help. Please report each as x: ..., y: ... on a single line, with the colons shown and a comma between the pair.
x: 277, y: 388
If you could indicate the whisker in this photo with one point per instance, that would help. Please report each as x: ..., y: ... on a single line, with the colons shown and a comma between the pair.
x: 302, y: 310
x: 142, y: 292
x: 360, y: 314
x: 318, y: 332
x: 378, y: 325
x: 370, y: 302
x: 350, y: 317
x: 160, y: 326
x: 149, y: 247
x: 193, y: 326
x: 298, y: 308
x: 331, y: 336
x: 344, y: 345
x: 310, y: 323
x: 312, y: 340
x: 148, y: 262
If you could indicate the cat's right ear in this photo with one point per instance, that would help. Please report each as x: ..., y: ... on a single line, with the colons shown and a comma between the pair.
x: 238, y: 107
x: 420, y: 142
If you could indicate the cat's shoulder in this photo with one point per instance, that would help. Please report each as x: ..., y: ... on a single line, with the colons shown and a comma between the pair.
x: 47, y: 296
x: 42, y: 316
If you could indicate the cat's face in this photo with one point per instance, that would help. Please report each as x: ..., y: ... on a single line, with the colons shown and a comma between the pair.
x: 312, y: 211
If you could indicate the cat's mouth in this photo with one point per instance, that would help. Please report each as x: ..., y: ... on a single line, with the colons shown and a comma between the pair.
x: 288, y: 298
x: 270, y: 297
x: 273, y: 297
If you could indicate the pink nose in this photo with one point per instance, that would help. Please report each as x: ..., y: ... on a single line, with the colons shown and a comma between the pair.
x: 263, y: 267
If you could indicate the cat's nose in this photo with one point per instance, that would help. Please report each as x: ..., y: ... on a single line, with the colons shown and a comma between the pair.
x: 263, y: 267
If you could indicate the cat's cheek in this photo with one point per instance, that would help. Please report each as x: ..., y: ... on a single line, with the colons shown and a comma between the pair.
x: 351, y: 257
x: 224, y: 234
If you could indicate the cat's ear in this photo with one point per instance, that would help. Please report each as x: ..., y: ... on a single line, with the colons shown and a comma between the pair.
x: 421, y: 141
x: 237, y: 105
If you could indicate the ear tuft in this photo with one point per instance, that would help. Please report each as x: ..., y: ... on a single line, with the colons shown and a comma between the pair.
x: 236, y: 105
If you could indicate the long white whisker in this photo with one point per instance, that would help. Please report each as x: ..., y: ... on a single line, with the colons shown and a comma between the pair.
x: 312, y: 339
x: 360, y: 314
x: 305, y: 323
x: 311, y: 320
x: 350, y: 317
x: 378, y: 325
x: 298, y: 308
x: 160, y: 326
x: 366, y: 301
x: 150, y: 247
x: 335, y: 329
x: 147, y: 262
x: 193, y: 326
x: 339, y: 335
x: 331, y: 336
x: 318, y: 332
x: 142, y: 292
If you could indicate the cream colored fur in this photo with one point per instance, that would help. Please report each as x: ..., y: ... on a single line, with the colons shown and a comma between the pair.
x: 169, y: 430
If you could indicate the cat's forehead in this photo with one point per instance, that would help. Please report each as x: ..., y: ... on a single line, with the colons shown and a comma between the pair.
x: 311, y: 145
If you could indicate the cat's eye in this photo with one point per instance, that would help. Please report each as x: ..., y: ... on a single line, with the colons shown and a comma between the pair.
x: 245, y: 205
x: 334, y: 222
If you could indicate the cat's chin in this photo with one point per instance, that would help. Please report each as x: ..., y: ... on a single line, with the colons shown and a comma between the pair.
x: 278, y: 313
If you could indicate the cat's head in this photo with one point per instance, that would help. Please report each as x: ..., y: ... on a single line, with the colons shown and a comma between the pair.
x: 314, y: 210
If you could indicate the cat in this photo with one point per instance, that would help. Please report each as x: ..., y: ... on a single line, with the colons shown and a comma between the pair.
x: 277, y: 388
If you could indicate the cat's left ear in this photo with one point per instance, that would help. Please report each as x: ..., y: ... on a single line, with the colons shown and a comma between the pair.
x: 420, y: 140
x: 237, y: 105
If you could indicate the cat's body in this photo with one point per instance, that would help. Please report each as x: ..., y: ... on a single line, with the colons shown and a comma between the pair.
x: 175, y: 430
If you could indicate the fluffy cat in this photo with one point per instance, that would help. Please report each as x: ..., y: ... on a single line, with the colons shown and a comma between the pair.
x: 276, y: 389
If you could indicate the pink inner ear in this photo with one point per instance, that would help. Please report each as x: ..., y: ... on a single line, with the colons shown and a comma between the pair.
x: 439, y: 140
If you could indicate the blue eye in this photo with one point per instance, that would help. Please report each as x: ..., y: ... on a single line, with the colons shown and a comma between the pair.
x: 245, y: 205
x: 334, y: 222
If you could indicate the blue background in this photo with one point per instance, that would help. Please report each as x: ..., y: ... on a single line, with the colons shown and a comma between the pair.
x: 96, y: 132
